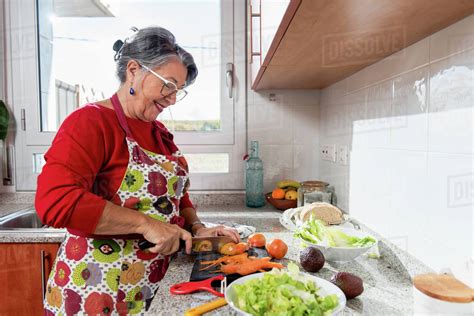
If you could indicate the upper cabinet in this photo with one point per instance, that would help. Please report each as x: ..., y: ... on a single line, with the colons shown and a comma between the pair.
x: 311, y: 44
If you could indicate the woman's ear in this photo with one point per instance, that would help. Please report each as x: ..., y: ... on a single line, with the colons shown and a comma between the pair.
x: 132, y: 69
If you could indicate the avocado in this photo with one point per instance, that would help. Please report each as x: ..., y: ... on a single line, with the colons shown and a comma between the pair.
x: 349, y: 283
x: 312, y: 259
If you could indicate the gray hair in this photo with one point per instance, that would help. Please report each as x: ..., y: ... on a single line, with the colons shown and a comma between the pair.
x: 152, y: 47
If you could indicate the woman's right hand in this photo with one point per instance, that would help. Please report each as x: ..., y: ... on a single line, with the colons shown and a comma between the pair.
x: 165, y: 236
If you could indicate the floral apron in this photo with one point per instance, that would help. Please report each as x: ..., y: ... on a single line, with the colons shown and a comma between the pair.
x: 99, y: 276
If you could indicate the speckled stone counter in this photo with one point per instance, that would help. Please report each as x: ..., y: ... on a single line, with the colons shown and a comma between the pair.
x: 388, y: 288
x: 387, y: 280
x: 48, y: 235
x: 12, y: 202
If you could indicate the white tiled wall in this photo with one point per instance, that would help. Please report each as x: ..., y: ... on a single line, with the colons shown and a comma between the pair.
x: 287, y: 131
x: 408, y: 120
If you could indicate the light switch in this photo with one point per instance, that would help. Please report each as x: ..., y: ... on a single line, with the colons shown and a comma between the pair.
x: 343, y: 155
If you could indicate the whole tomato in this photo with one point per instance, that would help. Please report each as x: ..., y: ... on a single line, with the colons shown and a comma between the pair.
x: 276, y: 248
x: 257, y: 240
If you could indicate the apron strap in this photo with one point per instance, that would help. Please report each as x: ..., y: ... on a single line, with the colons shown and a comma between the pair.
x: 121, y: 115
x: 157, y: 130
x: 159, y: 137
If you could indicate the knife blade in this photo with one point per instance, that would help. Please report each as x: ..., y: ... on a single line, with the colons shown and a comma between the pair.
x: 199, y: 244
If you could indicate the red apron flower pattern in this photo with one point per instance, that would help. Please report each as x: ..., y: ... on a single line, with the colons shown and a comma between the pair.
x: 131, y: 203
x: 183, y: 163
x: 140, y: 157
x: 157, y: 185
x: 113, y: 276
x: 99, y: 304
x: 72, y: 302
x: 62, y: 273
x: 76, y: 248
x: 156, y: 272
x: 146, y: 255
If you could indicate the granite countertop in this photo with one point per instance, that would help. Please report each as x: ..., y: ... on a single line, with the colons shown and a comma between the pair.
x: 387, y: 282
x: 12, y: 202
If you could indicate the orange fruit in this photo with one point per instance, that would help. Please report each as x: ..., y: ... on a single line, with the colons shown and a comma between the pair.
x: 256, y: 240
x: 278, y: 194
x: 276, y: 248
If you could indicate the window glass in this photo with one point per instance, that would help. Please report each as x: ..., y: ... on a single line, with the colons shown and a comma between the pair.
x: 76, y: 56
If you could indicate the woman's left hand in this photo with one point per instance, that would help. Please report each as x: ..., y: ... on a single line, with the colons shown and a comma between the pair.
x: 218, y: 231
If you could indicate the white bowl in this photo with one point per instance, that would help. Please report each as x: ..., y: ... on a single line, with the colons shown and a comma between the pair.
x: 325, y: 288
x: 343, y: 253
x: 290, y: 219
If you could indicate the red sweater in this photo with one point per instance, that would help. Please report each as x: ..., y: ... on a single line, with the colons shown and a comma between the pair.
x: 85, y: 166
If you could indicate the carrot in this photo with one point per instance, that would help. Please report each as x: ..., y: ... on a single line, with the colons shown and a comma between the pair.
x: 247, y: 269
x: 249, y: 266
x: 226, y: 259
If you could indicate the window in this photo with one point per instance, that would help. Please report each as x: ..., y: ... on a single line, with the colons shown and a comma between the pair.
x: 68, y: 62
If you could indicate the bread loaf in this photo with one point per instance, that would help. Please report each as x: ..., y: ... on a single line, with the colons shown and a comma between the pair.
x: 326, y: 212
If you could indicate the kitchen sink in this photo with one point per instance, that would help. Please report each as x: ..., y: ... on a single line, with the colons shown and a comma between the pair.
x: 25, y: 220
x: 21, y: 219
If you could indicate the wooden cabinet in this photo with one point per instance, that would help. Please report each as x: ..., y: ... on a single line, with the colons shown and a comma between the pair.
x: 24, y: 269
x: 319, y: 42
x: 265, y: 17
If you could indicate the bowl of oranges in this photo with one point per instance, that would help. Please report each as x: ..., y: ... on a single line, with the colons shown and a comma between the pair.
x: 285, y: 195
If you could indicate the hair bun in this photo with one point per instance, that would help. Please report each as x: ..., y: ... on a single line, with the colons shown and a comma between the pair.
x: 118, y: 45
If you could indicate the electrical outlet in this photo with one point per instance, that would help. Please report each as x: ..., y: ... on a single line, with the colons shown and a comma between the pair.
x: 342, y: 155
x: 328, y: 152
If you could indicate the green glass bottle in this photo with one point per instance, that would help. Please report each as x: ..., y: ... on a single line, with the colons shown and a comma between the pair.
x: 254, y: 196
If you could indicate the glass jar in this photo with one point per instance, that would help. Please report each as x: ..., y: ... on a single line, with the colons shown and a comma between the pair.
x: 313, y: 191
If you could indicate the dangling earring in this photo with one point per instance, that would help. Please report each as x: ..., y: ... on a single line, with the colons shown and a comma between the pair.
x: 132, y: 92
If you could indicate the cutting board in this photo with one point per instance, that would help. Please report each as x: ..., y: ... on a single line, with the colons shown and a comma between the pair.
x: 197, y: 275
x: 443, y: 287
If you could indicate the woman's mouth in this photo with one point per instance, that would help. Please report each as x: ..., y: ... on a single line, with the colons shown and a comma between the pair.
x: 159, y: 106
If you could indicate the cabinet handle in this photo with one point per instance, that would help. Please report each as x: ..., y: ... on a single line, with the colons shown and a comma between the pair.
x: 44, y: 255
x: 229, y: 81
x: 7, y: 164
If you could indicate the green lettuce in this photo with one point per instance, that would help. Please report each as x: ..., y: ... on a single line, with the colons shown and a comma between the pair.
x: 283, y: 292
x: 314, y: 231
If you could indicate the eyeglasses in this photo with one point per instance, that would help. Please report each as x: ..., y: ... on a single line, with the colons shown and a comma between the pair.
x: 169, y: 87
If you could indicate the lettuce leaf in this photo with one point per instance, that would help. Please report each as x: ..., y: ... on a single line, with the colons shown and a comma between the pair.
x: 283, y: 292
x: 314, y: 231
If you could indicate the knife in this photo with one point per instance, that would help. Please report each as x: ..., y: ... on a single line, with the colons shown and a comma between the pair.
x: 199, y: 244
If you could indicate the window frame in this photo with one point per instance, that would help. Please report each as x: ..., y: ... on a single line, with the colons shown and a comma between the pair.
x: 22, y: 28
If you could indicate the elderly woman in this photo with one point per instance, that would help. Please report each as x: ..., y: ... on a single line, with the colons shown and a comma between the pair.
x: 114, y: 177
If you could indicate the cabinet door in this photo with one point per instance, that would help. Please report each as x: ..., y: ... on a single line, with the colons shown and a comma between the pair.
x: 272, y: 13
x: 22, y: 267
x: 255, y: 57
x: 265, y: 16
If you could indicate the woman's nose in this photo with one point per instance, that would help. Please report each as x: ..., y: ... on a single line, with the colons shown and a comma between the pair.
x: 171, y: 98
